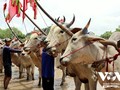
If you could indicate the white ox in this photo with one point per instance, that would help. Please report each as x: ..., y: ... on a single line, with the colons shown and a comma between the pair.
x: 84, y: 49
x: 32, y: 47
x: 22, y: 61
x: 1, y: 49
x: 57, y: 40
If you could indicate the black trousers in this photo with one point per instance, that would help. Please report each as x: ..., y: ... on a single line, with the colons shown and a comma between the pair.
x: 8, y: 70
x: 48, y: 83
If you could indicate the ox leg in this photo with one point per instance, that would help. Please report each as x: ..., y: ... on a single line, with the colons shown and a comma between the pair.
x: 20, y: 72
x: 1, y: 70
x: 93, y: 85
x: 86, y: 86
x: 64, y: 75
x: 39, y: 83
x: 32, y: 73
x: 77, y: 83
x: 1, y: 66
x: 28, y: 73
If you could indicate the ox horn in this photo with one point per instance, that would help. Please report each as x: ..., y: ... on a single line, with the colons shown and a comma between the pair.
x: 62, y: 27
x: 73, y: 20
x: 58, y: 19
x: 64, y: 19
x: 85, y: 30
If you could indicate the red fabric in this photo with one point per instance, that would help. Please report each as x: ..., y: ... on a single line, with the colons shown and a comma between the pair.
x: 25, y: 7
x: 34, y: 6
x: 61, y: 20
x: 13, y: 10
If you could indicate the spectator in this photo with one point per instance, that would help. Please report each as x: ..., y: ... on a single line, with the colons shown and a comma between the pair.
x: 47, y: 69
x: 7, y: 61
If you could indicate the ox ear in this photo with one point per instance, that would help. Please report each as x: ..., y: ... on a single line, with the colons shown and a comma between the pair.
x: 112, y: 43
x: 85, y: 30
x: 118, y: 43
x: 57, y: 19
x: 105, y: 42
x: 74, y: 30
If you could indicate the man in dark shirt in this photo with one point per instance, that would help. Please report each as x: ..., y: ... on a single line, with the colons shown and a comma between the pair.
x: 7, y: 61
x: 47, y: 69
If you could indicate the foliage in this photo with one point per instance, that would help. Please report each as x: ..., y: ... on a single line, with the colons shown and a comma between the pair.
x: 7, y: 33
x: 118, y: 29
x: 106, y: 35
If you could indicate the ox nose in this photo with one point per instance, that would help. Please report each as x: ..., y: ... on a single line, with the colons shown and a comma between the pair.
x: 61, y: 59
x: 48, y: 48
x: 46, y: 42
x: 24, y: 48
x: 23, y: 54
x: 64, y: 63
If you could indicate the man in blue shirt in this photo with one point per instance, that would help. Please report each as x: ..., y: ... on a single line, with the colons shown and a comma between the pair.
x: 7, y: 61
x: 47, y: 69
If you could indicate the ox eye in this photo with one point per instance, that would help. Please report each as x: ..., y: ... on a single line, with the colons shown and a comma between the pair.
x: 35, y: 38
x: 61, y: 31
x: 74, y: 39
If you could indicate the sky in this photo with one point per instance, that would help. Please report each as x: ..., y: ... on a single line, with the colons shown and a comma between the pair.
x: 104, y: 14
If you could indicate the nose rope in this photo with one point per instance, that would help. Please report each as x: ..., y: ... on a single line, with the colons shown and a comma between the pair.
x: 58, y: 44
x: 106, y: 59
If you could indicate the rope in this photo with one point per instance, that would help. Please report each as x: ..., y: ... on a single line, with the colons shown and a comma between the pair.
x: 42, y: 17
x: 25, y: 27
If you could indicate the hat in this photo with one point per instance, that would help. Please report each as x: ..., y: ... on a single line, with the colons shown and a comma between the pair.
x: 7, y: 40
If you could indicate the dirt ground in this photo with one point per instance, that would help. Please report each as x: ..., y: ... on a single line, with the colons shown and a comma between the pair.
x: 23, y: 84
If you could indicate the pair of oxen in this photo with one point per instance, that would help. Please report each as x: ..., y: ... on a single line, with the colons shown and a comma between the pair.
x: 85, y: 54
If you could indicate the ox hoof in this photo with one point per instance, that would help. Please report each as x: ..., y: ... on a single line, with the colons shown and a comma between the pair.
x: 39, y: 84
x: 27, y: 79
x: 20, y: 77
x: 33, y: 78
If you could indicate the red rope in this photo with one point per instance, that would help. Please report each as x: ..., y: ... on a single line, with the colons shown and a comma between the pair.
x: 109, y: 61
x: 77, y: 50
x: 58, y: 44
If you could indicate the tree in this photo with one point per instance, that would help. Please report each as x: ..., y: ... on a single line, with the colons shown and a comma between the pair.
x: 118, y: 29
x: 7, y: 33
x: 106, y: 35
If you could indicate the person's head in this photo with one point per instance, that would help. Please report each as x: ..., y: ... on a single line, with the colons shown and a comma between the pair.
x: 7, y: 41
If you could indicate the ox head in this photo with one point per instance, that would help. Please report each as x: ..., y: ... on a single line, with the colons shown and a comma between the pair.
x: 34, y: 42
x: 50, y: 34
x: 81, y: 48
x: 15, y: 43
x: 59, y: 38
x: 1, y: 46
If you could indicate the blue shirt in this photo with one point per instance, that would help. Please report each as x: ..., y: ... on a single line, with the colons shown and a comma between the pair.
x: 7, y: 56
x: 47, y: 65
